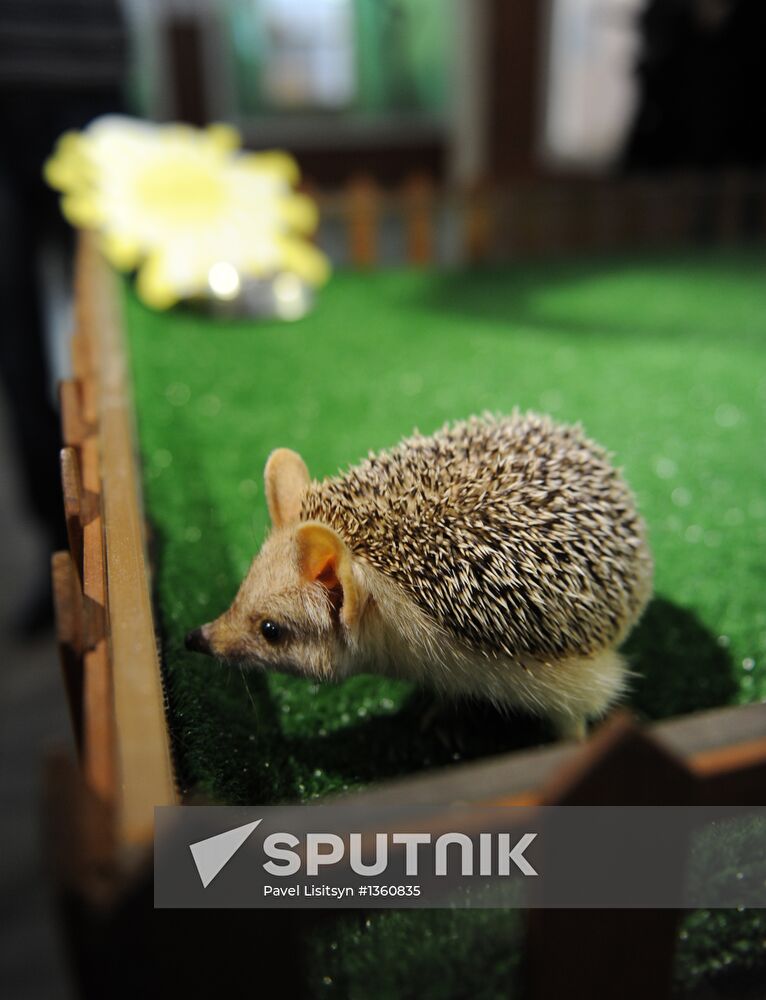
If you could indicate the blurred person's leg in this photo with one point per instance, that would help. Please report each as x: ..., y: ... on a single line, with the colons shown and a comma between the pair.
x: 24, y: 376
x: 30, y: 123
x: 62, y: 63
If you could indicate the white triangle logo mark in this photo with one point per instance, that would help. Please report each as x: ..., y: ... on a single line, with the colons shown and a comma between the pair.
x: 211, y: 855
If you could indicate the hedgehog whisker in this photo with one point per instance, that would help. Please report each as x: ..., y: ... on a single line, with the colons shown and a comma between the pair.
x: 249, y: 692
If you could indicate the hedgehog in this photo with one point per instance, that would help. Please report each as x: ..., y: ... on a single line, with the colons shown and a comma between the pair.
x: 501, y: 558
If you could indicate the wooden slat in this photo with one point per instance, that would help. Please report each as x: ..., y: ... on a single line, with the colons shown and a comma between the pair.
x: 733, y: 775
x: 419, y: 220
x: 71, y: 485
x: 82, y: 365
x: 73, y: 427
x: 94, y: 583
x: 68, y: 602
x: 477, y: 235
x: 89, y: 390
x: 714, y: 729
x: 621, y: 765
x: 363, y: 209
x: 67, y: 599
x: 567, y: 948
x: 98, y: 723
x: 98, y: 712
x: 145, y: 775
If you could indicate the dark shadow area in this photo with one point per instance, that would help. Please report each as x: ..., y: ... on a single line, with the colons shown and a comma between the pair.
x: 698, y: 69
x: 681, y: 667
x: 747, y: 983
x: 561, y: 294
x: 423, y: 734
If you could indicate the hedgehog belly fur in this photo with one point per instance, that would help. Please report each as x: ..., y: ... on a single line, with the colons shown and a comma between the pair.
x: 400, y: 640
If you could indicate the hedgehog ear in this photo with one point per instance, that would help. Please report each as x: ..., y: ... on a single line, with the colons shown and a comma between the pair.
x: 286, y: 479
x: 323, y: 557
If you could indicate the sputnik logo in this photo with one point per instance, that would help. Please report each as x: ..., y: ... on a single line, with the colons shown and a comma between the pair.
x: 327, y: 849
x: 213, y: 854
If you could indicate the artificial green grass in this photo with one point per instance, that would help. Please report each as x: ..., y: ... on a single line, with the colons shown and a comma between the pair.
x: 662, y: 361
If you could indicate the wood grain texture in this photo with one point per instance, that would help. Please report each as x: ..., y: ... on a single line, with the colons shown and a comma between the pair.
x: 362, y: 221
x: 71, y: 484
x: 98, y: 757
x: 144, y: 774
x: 68, y: 603
x: 419, y: 220
x: 73, y: 427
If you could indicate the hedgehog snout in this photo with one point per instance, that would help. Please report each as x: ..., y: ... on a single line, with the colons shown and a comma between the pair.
x: 198, y: 641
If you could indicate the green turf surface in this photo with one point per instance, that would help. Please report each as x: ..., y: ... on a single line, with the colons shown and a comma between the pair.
x: 661, y: 359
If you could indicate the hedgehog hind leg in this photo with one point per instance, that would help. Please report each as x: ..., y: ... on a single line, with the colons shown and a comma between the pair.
x: 587, y: 687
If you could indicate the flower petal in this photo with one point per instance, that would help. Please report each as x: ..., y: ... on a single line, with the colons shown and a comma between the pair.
x: 306, y: 260
x: 121, y: 251
x: 153, y: 284
x: 82, y: 209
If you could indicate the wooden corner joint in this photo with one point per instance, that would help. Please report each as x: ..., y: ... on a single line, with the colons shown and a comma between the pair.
x: 626, y: 764
x: 622, y: 764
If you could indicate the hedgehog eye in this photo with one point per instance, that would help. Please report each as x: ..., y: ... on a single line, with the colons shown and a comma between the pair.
x: 270, y: 631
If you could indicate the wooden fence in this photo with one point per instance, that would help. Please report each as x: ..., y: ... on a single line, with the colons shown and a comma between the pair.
x: 421, y: 224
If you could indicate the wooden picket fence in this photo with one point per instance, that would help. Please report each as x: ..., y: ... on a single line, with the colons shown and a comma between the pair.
x: 421, y: 224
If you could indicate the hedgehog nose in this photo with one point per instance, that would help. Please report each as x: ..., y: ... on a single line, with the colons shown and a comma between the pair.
x: 197, y: 641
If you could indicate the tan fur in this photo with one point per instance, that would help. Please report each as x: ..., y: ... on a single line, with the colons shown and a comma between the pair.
x: 323, y: 557
x: 342, y: 613
x: 401, y: 641
x: 286, y: 480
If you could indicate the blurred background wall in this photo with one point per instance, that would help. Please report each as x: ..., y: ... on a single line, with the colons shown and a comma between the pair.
x: 464, y: 88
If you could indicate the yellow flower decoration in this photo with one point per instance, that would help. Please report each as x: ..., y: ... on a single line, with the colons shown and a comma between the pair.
x: 185, y: 207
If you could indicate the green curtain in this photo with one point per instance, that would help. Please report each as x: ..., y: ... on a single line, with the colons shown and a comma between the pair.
x: 403, y: 50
